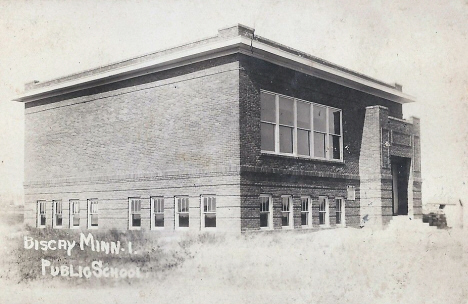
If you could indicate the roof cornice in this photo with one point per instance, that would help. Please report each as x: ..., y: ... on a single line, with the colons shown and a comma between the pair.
x: 239, y: 44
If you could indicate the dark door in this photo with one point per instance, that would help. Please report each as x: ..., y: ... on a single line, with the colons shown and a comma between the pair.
x: 400, y: 177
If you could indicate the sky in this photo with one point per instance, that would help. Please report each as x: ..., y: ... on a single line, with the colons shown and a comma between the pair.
x: 419, y: 44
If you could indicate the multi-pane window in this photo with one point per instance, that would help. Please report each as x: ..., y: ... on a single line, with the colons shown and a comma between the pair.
x: 208, y: 211
x: 157, y: 212
x: 286, y: 211
x: 182, y: 212
x: 57, y: 214
x: 134, y: 208
x: 323, y: 211
x: 340, y: 215
x: 41, y: 214
x: 265, y: 212
x: 306, y: 215
x: 74, y: 213
x: 93, y: 213
x: 297, y: 127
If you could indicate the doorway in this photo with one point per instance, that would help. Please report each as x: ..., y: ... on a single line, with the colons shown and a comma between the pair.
x: 400, y: 178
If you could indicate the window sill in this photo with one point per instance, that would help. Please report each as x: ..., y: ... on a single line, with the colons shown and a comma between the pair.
x: 307, y: 227
x: 208, y: 229
x: 287, y: 227
x: 299, y: 157
x: 325, y: 226
x: 157, y: 228
x: 93, y: 228
x: 75, y: 227
x: 58, y: 227
x: 266, y: 228
x: 134, y: 228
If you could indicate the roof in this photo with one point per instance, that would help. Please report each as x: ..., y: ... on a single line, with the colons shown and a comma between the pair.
x: 229, y: 40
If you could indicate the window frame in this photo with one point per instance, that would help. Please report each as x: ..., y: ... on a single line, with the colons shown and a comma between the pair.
x: 342, y: 211
x: 38, y: 213
x: 177, y: 212
x: 153, y: 212
x: 290, y: 212
x: 55, y: 204
x: 204, y: 213
x: 326, y: 212
x: 134, y: 201
x: 309, y: 211
x: 270, y: 211
x: 90, y: 202
x: 328, y: 153
x: 72, y: 213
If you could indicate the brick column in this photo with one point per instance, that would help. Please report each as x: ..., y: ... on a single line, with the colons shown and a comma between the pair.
x: 370, y: 163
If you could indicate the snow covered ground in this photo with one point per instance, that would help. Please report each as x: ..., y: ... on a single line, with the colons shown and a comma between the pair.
x: 409, y: 262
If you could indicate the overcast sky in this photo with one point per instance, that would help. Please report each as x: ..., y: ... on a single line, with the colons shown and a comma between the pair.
x: 422, y: 45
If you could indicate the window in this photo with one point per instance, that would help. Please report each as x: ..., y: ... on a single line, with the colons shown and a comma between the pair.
x: 266, y: 216
x: 182, y: 212
x: 41, y: 214
x: 157, y: 212
x: 340, y: 214
x: 291, y: 126
x: 134, y: 213
x: 57, y: 214
x: 208, y: 219
x: 287, y: 211
x: 306, y: 214
x: 93, y: 216
x: 323, y: 211
x: 74, y: 213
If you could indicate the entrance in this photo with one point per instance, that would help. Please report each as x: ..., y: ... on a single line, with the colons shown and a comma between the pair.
x: 400, y: 177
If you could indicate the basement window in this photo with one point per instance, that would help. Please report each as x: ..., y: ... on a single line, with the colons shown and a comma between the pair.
x: 266, y: 216
x: 74, y: 214
x: 306, y: 212
x: 287, y: 211
x: 208, y: 219
x: 41, y: 214
x: 57, y: 214
x: 324, y: 219
x: 340, y: 212
x: 295, y: 127
x: 93, y: 213
x: 157, y: 212
x: 134, y: 216
x: 182, y: 212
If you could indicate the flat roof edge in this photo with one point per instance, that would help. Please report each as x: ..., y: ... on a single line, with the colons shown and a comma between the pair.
x: 229, y: 45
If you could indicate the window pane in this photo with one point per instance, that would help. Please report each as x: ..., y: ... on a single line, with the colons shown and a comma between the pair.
x: 136, y: 220
x: 335, y: 145
x: 338, y: 217
x: 268, y: 107
x: 322, y: 218
x: 183, y: 220
x: 319, y: 145
x: 286, y: 111
x: 76, y: 221
x: 304, y: 218
x: 58, y: 220
x: 334, y: 121
x: 94, y: 220
x: 320, y: 119
x: 210, y: 220
x: 303, y: 115
x: 43, y: 219
x: 264, y: 219
x: 159, y: 220
x: 285, y: 218
x: 303, y: 142
x: 286, y: 139
x: 285, y: 203
x: 268, y: 137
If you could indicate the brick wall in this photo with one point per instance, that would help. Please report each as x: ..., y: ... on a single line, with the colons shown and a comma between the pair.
x: 100, y: 142
x: 256, y: 74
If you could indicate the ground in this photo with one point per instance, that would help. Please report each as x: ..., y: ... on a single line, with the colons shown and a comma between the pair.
x: 408, y: 262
